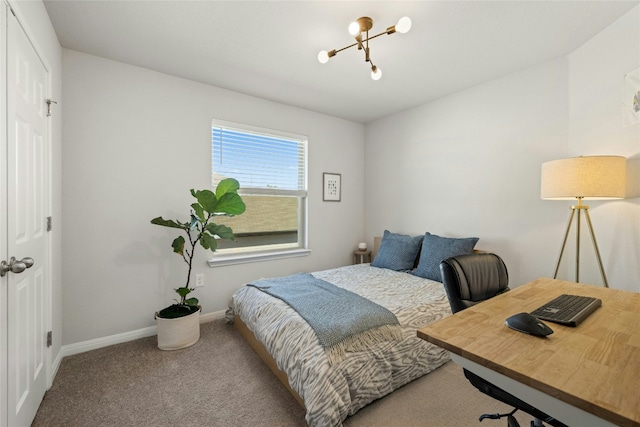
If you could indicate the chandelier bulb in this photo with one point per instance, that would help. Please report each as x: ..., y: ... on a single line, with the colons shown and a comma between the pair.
x: 354, y: 28
x: 376, y: 73
x: 403, y: 25
x: 323, y: 57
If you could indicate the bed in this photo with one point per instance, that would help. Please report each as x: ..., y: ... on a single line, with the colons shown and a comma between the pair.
x: 333, y: 389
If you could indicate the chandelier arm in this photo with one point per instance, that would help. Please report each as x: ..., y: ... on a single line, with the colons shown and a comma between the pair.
x: 346, y: 47
x: 377, y: 35
x: 356, y: 43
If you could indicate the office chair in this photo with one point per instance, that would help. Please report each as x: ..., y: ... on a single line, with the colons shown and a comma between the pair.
x: 469, y: 280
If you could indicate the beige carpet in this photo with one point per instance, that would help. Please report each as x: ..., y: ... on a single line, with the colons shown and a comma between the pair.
x: 220, y: 381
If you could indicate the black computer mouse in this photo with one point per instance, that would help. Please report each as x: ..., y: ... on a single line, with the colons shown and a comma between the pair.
x: 529, y: 324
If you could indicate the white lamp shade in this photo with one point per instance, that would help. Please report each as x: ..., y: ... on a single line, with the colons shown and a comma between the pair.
x: 589, y: 177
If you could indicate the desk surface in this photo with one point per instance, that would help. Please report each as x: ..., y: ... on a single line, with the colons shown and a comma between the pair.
x: 594, y: 367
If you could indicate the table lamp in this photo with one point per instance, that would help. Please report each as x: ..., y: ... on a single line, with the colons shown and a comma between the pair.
x: 588, y: 178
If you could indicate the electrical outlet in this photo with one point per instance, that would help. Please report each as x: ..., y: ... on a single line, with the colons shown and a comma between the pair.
x: 199, y: 280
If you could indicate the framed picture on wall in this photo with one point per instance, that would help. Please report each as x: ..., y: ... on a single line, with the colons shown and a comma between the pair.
x: 331, y: 187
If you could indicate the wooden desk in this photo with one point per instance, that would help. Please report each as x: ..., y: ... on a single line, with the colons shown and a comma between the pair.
x: 593, y: 368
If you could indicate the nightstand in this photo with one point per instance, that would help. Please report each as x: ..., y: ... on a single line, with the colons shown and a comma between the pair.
x: 361, y: 257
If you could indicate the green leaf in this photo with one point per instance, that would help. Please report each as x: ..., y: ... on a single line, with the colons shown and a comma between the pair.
x: 168, y: 223
x: 192, y: 302
x: 230, y: 204
x: 207, y: 200
x: 220, y: 230
x: 178, y: 245
x: 183, y: 292
x: 207, y: 241
x: 227, y: 185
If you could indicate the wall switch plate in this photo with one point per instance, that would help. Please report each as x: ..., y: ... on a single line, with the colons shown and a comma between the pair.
x: 199, y: 280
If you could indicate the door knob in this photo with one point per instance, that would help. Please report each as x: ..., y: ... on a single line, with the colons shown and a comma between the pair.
x: 15, y: 266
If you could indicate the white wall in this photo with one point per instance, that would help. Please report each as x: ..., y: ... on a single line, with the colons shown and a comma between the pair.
x: 469, y: 164
x: 596, y: 127
x: 135, y: 142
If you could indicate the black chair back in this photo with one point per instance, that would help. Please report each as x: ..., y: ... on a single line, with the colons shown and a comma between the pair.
x: 473, y: 278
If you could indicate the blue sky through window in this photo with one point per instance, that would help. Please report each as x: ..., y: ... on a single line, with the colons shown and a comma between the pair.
x: 256, y: 160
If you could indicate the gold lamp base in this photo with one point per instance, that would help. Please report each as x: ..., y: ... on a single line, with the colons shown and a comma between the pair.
x: 578, y: 208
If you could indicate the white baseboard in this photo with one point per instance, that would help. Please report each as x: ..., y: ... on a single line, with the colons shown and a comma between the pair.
x: 81, y: 347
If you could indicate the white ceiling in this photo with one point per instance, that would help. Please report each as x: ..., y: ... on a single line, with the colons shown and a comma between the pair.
x: 269, y: 49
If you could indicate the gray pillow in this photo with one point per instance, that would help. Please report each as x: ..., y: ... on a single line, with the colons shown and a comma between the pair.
x: 435, y: 249
x: 397, y: 251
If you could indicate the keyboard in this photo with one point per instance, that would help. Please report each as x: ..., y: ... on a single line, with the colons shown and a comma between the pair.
x: 567, y: 310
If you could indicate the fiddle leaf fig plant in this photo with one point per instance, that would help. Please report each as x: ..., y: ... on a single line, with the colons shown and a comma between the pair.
x: 201, y: 229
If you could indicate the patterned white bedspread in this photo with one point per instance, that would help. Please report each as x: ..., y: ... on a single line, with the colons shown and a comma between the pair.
x: 331, y: 393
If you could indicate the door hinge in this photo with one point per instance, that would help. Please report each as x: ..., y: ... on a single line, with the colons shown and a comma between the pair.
x: 49, y: 223
x: 49, y: 339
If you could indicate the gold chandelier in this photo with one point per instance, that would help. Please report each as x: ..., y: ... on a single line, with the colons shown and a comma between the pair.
x: 360, y: 31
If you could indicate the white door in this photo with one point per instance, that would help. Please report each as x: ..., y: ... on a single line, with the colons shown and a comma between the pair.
x: 27, y: 292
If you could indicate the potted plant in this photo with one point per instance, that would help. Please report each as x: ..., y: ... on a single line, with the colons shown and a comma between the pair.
x: 179, y: 324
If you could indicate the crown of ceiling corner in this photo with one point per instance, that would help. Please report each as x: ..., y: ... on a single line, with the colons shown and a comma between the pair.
x: 359, y: 29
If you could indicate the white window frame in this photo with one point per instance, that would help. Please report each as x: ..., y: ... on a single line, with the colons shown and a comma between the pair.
x: 276, y: 251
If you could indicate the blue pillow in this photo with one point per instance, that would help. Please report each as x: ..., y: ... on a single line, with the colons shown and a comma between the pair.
x: 397, y: 251
x: 435, y: 249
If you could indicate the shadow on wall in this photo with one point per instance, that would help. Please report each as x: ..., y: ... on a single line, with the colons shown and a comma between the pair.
x: 141, y: 253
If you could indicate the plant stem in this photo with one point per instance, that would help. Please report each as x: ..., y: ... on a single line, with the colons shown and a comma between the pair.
x: 190, y: 261
x: 193, y: 243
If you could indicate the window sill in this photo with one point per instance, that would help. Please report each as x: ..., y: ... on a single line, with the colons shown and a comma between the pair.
x: 232, y: 259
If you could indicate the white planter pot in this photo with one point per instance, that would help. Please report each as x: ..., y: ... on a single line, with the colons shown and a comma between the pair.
x: 182, y: 332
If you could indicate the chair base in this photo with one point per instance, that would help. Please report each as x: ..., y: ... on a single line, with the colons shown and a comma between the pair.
x: 511, y: 421
x: 501, y: 395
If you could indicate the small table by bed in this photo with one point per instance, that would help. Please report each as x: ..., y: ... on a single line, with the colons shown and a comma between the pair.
x: 361, y: 256
x: 583, y: 376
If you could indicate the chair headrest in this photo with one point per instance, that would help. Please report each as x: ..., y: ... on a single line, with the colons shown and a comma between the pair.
x: 470, y: 279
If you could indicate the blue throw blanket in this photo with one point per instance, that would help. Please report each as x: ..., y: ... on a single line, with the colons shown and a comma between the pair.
x: 342, y: 320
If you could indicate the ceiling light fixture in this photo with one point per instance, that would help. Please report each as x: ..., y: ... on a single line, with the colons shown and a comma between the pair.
x: 360, y: 31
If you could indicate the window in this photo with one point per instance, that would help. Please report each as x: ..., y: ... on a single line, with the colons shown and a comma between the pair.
x: 271, y: 167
